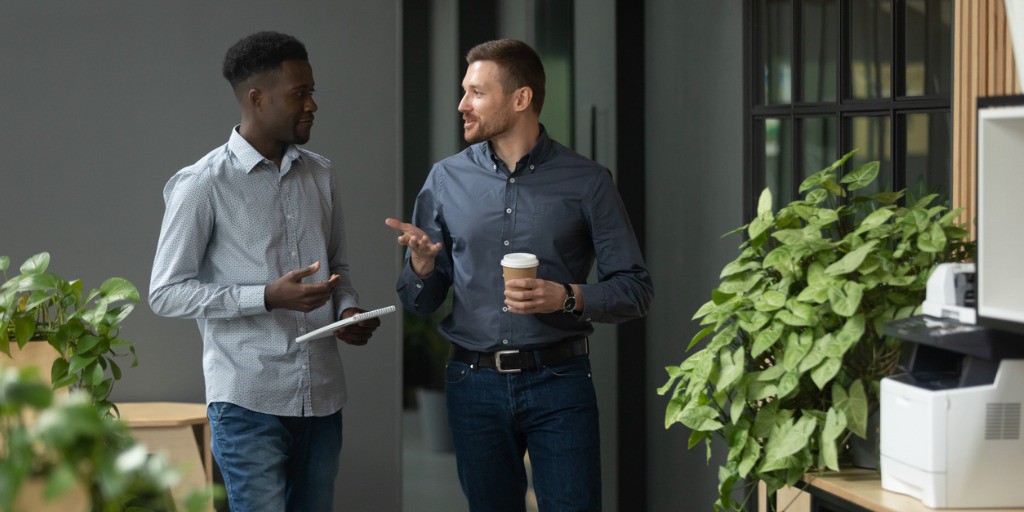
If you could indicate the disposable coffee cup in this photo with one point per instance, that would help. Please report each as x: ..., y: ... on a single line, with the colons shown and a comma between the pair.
x: 519, y: 265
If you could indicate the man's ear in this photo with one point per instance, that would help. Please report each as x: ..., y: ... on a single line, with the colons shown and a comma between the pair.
x: 523, y: 98
x: 255, y: 97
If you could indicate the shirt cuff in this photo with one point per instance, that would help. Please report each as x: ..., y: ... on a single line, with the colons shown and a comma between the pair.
x: 593, y: 302
x: 251, y: 300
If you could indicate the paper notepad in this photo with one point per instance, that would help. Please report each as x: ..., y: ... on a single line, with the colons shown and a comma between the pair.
x: 328, y: 330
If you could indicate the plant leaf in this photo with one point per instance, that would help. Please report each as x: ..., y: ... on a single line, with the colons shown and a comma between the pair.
x: 846, y: 301
x: 36, y: 264
x: 851, y: 260
x: 862, y: 176
x: 699, y: 336
x: 117, y: 288
x: 700, y: 417
x: 854, y: 405
x: 731, y: 364
x: 785, y: 440
x: 766, y: 338
x: 764, y: 203
x: 835, y: 423
x: 824, y: 372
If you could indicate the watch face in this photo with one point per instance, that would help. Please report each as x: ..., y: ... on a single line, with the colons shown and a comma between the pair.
x: 569, y: 304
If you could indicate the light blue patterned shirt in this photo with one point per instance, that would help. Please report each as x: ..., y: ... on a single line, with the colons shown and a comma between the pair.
x: 234, y: 223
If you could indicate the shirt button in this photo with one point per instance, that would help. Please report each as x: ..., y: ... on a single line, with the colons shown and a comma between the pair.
x: 289, y: 216
x: 508, y: 210
x: 506, y: 242
x: 505, y: 342
x: 511, y: 180
x: 304, y: 367
x: 495, y: 166
x: 531, y: 167
x: 505, y: 308
x: 418, y: 285
x: 302, y: 329
x: 295, y: 253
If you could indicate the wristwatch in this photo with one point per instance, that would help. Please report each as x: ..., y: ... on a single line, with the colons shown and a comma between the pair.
x: 570, y: 301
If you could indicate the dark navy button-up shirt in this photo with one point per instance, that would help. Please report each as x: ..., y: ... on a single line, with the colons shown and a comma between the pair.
x: 557, y: 205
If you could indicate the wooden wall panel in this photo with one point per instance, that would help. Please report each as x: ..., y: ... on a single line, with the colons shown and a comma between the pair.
x: 983, y: 65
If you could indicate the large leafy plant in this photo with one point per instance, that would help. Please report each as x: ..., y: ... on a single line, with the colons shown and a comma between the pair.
x: 84, y: 329
x: 796, y: 348
x: 70, y: 444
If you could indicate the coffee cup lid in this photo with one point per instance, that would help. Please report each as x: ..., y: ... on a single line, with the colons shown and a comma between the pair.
x: 519, y: 260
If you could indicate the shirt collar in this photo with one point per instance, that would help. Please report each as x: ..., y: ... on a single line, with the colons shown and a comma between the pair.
x: 250, y: 158
x: 535, y: 157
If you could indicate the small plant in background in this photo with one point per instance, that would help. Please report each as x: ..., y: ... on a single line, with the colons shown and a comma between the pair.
x: 37, y: 305
x: 796, y: 348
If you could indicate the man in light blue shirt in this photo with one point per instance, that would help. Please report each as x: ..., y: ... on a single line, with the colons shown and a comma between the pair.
x: 519, y: 375
x: 252, y: 246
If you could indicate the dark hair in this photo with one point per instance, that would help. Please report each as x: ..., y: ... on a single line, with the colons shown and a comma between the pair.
x: 258, y: 53
x: 520, y: 65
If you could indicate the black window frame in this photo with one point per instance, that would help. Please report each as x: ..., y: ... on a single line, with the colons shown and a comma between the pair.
x: 844, y: 108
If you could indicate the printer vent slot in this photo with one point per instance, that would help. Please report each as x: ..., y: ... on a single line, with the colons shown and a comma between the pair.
x: 1002, y: 421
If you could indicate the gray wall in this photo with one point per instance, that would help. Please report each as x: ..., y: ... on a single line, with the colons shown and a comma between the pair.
x: 100, y: 103
x: 694, y: 193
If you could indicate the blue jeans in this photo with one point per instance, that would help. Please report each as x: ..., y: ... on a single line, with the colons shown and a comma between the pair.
x: 275, y: 463
x: 496, y: 417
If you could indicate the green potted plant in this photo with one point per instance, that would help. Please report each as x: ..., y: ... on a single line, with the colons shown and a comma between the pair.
x: 83, y: 329
x: 73, y: 456
x: 425, y: 358
x: 796, y: 348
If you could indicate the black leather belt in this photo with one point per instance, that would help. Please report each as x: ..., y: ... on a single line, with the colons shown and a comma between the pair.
x: 515, y: 361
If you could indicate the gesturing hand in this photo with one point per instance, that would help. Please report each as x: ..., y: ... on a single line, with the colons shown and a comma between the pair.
x: 289, y: 292
x: 358, y: 333
x: 423, y: 249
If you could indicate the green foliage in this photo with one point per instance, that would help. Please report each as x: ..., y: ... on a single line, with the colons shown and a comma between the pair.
x: 71, y: 443
x: 37, y: 305
x: 796, y: 349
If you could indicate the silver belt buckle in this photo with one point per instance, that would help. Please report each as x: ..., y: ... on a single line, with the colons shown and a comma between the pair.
x: 497, y: 362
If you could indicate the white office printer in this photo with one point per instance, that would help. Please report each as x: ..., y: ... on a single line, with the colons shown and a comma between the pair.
x: 951, y: 425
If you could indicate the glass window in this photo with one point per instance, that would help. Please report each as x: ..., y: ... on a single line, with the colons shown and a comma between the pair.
x: 776, y: 44
x: 821, y: 144
x: 929, y: 45
x: 927, y: 158
x: 871, y: 75
x: 871, y: 136
x: 778, y: 158
x: 819, y: 33
x: 870, y: 28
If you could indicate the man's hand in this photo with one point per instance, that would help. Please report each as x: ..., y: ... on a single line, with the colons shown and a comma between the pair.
x: 537, y: 296
x: 289, y: 292
x: 358, y: 333
x: 423, y: 250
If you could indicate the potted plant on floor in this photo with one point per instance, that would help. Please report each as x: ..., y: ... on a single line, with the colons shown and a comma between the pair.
x: 796, y: 349
x: 425, y: 358
x: 84, y: 330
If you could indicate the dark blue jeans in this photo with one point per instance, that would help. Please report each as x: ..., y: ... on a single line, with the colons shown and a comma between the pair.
x: 552, y: 412
x: 275, y: 462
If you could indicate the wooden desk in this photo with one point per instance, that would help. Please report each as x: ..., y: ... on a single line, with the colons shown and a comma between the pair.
x: 858, y: 490
x: 181, y: 431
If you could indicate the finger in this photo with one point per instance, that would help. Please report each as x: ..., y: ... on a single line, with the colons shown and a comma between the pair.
x: 333, y: 281
x: 299, y: 273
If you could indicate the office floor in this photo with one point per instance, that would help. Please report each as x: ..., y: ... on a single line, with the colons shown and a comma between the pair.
x: 430, y: 482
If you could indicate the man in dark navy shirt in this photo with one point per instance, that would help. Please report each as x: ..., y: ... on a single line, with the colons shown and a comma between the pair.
x: 519, y: 375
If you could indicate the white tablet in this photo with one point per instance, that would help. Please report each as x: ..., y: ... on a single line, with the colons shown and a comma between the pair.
x: 328, y: 330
